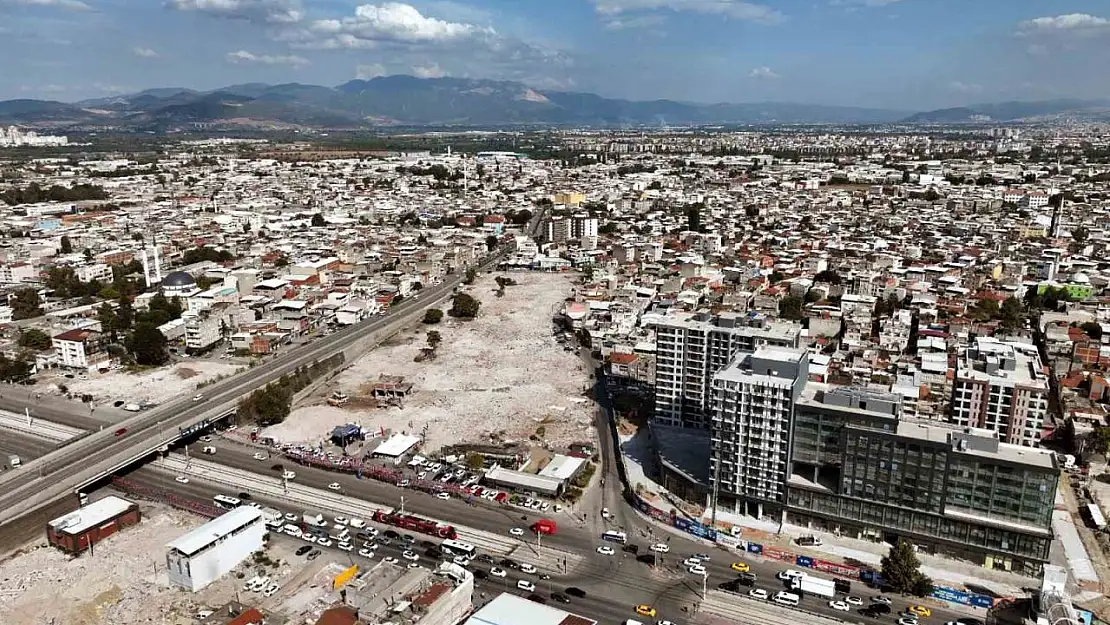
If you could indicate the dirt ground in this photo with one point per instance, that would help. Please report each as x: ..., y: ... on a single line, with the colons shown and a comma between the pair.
x: 501, y: 373
x: 123, y: 583
x: 156, y: 386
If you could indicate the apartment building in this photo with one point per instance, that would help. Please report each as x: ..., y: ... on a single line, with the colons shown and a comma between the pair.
x: 692, y: 348
x: 856, y: 469
x: 558, y: 230
x: 16, y: 273
x: 583, y: 225
x: 80, y: 349
x: 753, y: 411
x: 1001, y: 387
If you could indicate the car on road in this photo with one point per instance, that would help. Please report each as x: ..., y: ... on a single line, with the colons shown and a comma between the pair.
x: 704, y: 557
x: 605, y: 550
x: 259, y: 456
x: 850, y: 600
x: 443, y: 496
x: 526, y: 585
x: 645, y: 610
x: 574, y: 591
x: 315, y: 553
x: 461, y: 560
x: 391, y: 534
x: 290, y: 517
x: 516, y: 531
x: 527, y: 568
x: 877, y: 609
x: 746, y: 579
x: 409, y: 555
x: 340, y: 522
x: 839, y: 605
x: 334, y: 486
x: 121, y: 431
x: 740, y: 567
x: 907, y: 621
x: 288, y: 475
x: 789, y: 574
x: 181, y: 479
x: 691, y: 561
x: 631, y: 548
x: 881, y: 599
x: 324, y: 542
x: 536, y: 598
x: 497, y: 572
x: 346, y: 547
x: 660, y: 547
x: 303, y: 550
x: 665, y: 623
x: 920, y: 610
x: 391, y: 560
x: 271, y: 590
x: 198, y: 397
x: 697, y: 569
x: 560, y: 597
x: 366, y: 553
x: 484, y: 557
x: 605, y: 513
x: 757, y: 593
x: 206, y: 439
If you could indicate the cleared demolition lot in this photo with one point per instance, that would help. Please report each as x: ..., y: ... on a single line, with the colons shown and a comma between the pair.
x: 155, y: 386
x: 501, y: 377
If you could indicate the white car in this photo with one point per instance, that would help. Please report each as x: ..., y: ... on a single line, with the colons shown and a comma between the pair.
x: 408, y: 555
x: 271, y: 590
x: 288, y: 475
x: 691, y: 561
x: 208, y: 449
x: 757, y: 593
x: 333, y: 486
x: 358, y: 523
x: 527, y: 568
x: 660, y: 548
x: 697, y: 569
x: 605, y: 550
x: 366, y: 553
x: 605, y: 513
x: 340, y: 521
x: 443, y: 496
x: 181, y: 479
x: 461, y: 560
x: 414, y: 565
x: 260, y: 456
x: 310, y: 538
x: 853, y: 600
x: 324, y: 542
x: 497, y: 572
x: 840, y: 605
x: 391, y: 560
x: 346, y: 546
x: 526, y: 585
x: 290, y: 517
x: 516, y: 531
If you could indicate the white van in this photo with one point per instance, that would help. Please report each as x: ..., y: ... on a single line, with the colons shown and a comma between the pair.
x: 632, y: 621
x: 786, y: 598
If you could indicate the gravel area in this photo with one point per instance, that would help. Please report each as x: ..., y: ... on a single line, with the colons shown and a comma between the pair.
x: 156, y: 386
x: 502, y: 373
x: 122, y: 583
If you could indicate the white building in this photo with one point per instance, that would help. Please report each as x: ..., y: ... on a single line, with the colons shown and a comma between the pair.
x: 583, y: 226
x: 1001, y: 387
x: 200, y: 557
x: 80, y: 349
x: 691, y: 349
x: 14, y: 137
x: 16, y: 273
x: 94, y: 271
x: 753, y: 413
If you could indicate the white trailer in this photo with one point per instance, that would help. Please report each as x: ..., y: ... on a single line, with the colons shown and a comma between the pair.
x: 808, y: 584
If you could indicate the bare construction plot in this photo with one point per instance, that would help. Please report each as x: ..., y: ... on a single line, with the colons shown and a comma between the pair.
x: 501, y: 375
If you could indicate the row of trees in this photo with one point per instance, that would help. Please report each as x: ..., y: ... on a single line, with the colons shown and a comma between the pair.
x: 272, y: 403
x: 33, y: 193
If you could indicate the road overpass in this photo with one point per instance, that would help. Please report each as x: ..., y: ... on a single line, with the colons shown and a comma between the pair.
x: 88, y: 459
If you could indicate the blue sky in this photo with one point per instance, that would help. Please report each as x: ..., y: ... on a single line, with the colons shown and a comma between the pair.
x: 903, y: 54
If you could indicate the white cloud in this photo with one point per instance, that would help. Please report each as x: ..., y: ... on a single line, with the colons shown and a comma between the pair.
x: 637, y: 21
x: 69, y: 5
x: 372, y: 70
x: 864, y: 3
x: 146, y: 53
x: 432, y: 70
x: 965, y: 87
x: 1070, y: 24
x: 391, y: 22
x: 242, y: 56
x: 763, y: 73
x: 265, y: 11
x: 737, y: 9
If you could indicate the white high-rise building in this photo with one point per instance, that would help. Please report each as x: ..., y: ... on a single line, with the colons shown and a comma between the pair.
x: 12, y: 136
x: 691, y: 349
x: 583, y: 226
x: 753, y: 419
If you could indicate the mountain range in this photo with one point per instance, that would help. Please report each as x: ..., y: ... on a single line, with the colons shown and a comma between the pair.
x: 408, y: 101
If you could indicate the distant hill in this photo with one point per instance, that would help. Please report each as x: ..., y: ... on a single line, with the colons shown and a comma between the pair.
x: 1097, y: 110
x: 406, y: 100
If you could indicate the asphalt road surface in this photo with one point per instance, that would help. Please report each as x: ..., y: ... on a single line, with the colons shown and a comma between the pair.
x: 627, y: 580
x: 25, y: 446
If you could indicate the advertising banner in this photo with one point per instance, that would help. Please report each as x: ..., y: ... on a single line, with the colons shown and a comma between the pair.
x: 805, y: 561
x: 777, y: 553
x: 951, y: 595
x: 840, y: 570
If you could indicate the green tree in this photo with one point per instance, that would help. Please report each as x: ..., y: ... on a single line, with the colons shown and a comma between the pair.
x: 109, y: 320
x: 491, y: 243
x: 26, y: 304
x: 827, y: 276
x: 148, y: 345
x: 1080, y: 234
x: 471, y: 275
x: 901, y: 571
x: 125, y: 313
x: 66, y: 245
x: 475, y: 461
x: 1092, y: 329
x: 34, y: 338
x: 791, y: 307
x: 985, y: 310
x: 318, y: 221
x: 464, y: 306
x: 15, y: 370
x: 434, y: 339
x: 433, y: 316
x: 1011, y: 312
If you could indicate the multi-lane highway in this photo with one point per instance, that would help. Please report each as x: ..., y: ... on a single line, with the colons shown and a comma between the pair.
x: 626, y: 581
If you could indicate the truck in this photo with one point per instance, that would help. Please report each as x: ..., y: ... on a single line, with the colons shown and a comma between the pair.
x: 273, y: 518
x: 313, y: 519
x: 14, y: 461
x: 808, y: 584
x: 544, y: 526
